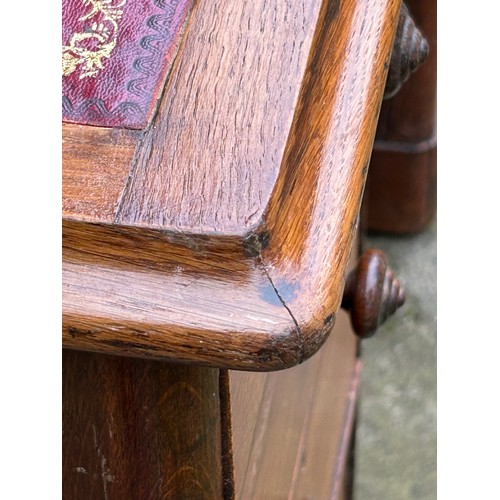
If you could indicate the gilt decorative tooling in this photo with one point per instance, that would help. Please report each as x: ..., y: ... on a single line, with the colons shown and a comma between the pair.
x: 115, y: 57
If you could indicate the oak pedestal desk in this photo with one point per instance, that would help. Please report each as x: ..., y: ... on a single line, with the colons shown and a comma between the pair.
x: 210, y: 220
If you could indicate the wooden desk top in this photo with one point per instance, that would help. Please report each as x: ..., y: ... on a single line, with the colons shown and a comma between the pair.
x: 220, y: 233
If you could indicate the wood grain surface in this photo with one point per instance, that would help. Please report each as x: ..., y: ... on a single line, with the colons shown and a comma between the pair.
x: 233, y: 229
x: 150, y: 297
x: 96, y: 164
x: 136, y: 429
x: 289, y: 427
x: 326, y: 163
x: 209, y: 162
x: 290, y: 430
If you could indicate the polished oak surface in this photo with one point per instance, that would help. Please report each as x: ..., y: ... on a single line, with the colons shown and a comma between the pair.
x: 220, y: 234
x: 219, y: 237
x: 96, y: 164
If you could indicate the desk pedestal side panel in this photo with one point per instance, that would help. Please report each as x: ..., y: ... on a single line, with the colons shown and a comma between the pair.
x: 291, y: 429
x: 136, y: 428
x: 139, y: 429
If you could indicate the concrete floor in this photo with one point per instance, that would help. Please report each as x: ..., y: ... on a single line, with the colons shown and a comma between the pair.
x: 395, y: 455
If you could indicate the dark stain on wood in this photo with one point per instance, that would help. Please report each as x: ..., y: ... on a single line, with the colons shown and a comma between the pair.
x: 75, y: 332
x: 126, y: 344
x: 254, y: 243
x: 228, y: 489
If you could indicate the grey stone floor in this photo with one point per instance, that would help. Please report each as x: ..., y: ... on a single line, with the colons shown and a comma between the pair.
x: 395, y: 454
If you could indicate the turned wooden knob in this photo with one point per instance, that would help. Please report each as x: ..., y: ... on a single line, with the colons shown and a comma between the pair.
x: 408, y: 52
x: 371, y: 293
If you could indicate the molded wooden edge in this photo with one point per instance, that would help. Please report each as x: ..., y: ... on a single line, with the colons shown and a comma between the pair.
x: 326, y: 162
x: 284, y: 280
x: 145, y: 294
x: 251, y: 351
x: 118, y: 243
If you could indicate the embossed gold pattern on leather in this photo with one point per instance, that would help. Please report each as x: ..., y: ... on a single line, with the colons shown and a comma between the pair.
x: 97, y: 39
x: 116, y: 55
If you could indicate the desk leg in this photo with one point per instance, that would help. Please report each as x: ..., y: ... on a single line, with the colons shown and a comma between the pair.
x: 400, y: 193
x: 139, y: 429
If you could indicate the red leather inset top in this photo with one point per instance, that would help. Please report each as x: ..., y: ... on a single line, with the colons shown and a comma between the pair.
x: 116, y: 54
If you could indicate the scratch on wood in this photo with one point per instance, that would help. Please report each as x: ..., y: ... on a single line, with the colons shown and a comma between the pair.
x: 106, y: 475
x: 300, y: 336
